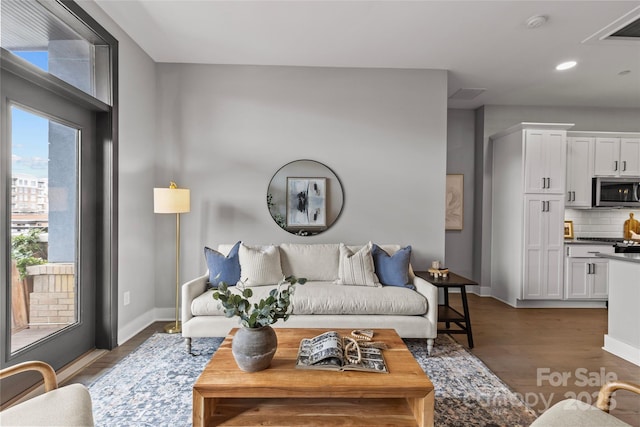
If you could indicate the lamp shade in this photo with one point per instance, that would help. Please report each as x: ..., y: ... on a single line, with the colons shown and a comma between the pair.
x: 171, y: 200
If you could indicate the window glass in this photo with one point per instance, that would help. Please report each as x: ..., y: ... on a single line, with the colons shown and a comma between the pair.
x: 73, y: 54
x: 44, y: 164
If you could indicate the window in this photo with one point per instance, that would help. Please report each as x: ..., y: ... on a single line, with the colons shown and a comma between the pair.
x: 59, y: 73
x: 59, y: 44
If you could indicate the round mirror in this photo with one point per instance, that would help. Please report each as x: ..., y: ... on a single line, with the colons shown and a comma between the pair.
x: 305, y: 197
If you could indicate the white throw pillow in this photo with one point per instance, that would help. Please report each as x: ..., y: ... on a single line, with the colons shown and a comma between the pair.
x: 260, y: 265
x: 316, y: 261
x: 357, y: 268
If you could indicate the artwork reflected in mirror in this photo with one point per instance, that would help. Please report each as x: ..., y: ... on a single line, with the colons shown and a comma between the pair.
x: 306, y: 202
x: 305, y: 197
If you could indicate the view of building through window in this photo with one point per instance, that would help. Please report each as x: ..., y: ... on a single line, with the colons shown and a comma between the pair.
x: 43, y: 226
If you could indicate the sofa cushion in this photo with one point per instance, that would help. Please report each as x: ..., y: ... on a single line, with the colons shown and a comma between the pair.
x: 311, y: 261
x: 356, y: 268
x: 392, y: 270
x: 223, y: 268
x: 260, y: 265
x: 331, y: 299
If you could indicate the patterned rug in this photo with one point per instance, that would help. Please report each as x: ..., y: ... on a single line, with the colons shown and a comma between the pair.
x: 152, y: 385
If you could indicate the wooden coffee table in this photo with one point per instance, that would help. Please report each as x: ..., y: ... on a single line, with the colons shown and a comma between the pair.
x: 283, y: 395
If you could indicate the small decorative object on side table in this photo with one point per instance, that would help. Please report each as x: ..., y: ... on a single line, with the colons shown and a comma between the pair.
x: 438, y: 272
x: 447, y: 314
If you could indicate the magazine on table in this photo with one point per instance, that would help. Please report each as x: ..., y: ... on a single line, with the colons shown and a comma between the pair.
x: 328, y: 351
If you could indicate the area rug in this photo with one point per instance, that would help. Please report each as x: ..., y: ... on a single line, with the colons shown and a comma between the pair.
x: 152, y: 385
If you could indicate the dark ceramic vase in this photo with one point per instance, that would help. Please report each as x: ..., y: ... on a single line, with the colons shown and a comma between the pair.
x: 253, y: 348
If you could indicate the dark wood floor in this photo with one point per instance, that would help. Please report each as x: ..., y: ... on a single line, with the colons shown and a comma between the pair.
x: 529, y: 349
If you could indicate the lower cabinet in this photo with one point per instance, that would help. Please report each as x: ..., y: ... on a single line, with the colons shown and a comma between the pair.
x: 587, y: 276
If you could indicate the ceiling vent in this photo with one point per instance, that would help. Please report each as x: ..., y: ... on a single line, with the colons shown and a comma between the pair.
x: 466, y: 94
x: 624, y: 30
x: 630, y: 30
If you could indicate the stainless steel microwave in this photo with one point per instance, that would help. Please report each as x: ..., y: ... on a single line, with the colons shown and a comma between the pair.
x: 616, y: 192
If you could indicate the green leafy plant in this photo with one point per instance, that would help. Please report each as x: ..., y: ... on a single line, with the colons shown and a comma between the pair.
x: 277, y: 217
x: 265, y: 312
x: 27, y: 250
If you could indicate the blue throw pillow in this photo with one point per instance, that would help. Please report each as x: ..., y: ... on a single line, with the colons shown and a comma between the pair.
x: 392, y: 270
x: 223, y: 268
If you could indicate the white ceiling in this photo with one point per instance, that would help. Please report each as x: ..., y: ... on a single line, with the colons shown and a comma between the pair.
x: 483, y: 44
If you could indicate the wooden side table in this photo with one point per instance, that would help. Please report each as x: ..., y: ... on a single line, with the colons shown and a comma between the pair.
x: 447, y: 314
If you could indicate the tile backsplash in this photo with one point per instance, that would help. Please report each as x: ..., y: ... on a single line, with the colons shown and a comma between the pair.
x: 599, y: 222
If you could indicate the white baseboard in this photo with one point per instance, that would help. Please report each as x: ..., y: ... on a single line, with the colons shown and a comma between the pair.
x: 131, y: 329
x: 559, y: 304
x: 622, y: 349
x: 481, y: 291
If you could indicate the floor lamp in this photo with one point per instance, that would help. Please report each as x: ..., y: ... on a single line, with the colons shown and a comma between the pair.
x: 173, y: 200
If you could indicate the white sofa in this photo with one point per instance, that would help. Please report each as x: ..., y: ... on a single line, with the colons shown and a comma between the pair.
x: 322, y: 302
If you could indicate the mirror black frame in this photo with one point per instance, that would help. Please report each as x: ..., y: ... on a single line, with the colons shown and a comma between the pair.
x: 318, y: 173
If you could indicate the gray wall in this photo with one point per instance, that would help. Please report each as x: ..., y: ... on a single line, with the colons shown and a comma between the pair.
x: 460, y: 160
x: 492, y: 119
x: 225, y: 130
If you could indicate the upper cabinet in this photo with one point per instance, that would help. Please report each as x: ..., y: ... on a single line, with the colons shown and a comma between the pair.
x: 580, y: 154
x: 544, y: 161
x: 617, y: 156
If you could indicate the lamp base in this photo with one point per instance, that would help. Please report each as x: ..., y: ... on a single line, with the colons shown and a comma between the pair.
x: 173, y: 327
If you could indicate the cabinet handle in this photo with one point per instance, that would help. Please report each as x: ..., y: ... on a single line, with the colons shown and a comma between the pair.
x: 544, y: 183
x: 569, y: 196
x: 548, y: 182
x: 615, y: 167
x: 624, y: 166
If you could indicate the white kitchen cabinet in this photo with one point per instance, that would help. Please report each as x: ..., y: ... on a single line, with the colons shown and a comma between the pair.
x: 527, y: 230
x: 617, y: 156
x: 580, y: 154
x: 587, y: 277
x: 545, y: 161
x: 543, y: 246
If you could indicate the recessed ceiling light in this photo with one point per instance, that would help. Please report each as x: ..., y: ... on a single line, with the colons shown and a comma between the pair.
x: 566, y: 65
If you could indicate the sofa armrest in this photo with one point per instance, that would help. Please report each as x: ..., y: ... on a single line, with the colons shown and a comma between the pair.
x: 190, y: 291
x: 430, y: 292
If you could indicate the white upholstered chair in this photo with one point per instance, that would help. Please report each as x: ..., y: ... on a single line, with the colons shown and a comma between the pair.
x: 572, y: 412
x: 65, y: 406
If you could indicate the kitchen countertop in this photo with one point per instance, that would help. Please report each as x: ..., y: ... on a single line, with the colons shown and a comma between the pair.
x: 588, y: 242
x: 629, y: 257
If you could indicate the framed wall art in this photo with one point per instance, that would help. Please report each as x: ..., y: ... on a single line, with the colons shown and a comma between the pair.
x: 454, y: 202
x: 568, y: 229
x: 306, y: 202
